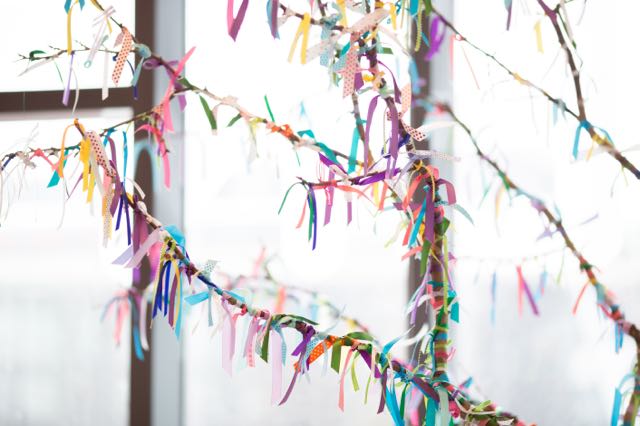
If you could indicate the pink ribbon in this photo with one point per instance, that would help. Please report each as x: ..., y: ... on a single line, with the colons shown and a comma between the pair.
x: 275, y: 354
x: 127, y: 42
x: 228, y: 338
x: 168, y: 122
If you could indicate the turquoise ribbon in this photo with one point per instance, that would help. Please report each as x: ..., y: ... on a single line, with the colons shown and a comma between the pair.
x: 416, y: 226
x: 67, y: 5
x: 176, y: 234
x: 353, y: 155
x: 576, y: 141
x: 125, y: 144
x: 194, y: 299
x: 145, y: 53
x: 584, y: 124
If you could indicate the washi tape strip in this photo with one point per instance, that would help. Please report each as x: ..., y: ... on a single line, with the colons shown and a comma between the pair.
x: 127, y: 42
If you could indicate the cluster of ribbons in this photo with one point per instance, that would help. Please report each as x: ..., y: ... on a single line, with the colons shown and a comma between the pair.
x: 403, y: 386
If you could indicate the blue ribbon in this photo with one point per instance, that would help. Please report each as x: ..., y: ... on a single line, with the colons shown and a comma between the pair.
x: 176, y: 234
x: 194, y: 299
x: 576, y: 141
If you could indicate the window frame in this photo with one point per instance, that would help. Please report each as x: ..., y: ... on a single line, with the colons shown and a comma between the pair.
x: 140, y: 377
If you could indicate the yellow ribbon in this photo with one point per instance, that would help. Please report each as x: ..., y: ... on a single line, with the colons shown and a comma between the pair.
x: 343, y: 12
x: 69, y: 27
x: 62, y: 153
x: 392, y: 15
x: 539, y: 37
x: 303, y: 30
x: 85, y: 149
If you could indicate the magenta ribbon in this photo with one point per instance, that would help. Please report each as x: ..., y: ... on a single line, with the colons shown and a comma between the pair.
x: 366, y: 357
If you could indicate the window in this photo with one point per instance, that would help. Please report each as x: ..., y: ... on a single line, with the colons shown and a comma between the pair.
x: 558, y: 355
x: 55, y: 349
x: 60, y: 351
x: 231, y: 211
x: 52, y: 16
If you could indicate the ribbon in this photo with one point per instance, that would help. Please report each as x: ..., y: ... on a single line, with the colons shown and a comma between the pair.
x: 100, y: 154
x: 342, y: 376
x: 508, y: 4
x: 272, y: 15
x: 228, y: 338
x: 68, y: 7
x: 145, y: 53
x: 127, y: 41
x: 436, y: 35
x: 168, y: 123
x: 524, y: 288
x: 582, y: 290
x: 351, y: 67
x: 276, y: 355
x: 303, y: 31
x: 102, y: 23
x: 233, y: 24
x: 67, y: 89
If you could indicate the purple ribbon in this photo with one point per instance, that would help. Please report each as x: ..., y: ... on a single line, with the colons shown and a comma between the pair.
x: 290, y: 388
x: 302, y: 346
x: 153, y: 63
x: 425, y: 388
x: 366, y: 357
x: 237, y: 21
x: 394, y: 143
x: 273, y: 18
x: 436, y: 37
x: 313, y: 209
x: 372, y: 109
x: 330, y: 163
x: 383, y: 394
x: 376, y: 177
x: 174, y: 287
x: 67, y: 89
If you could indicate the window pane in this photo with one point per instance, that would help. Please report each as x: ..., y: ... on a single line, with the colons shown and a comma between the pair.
x: 516, y: 126
x: 231, y: 211
x: 58, y: 362
x: 20, y: 25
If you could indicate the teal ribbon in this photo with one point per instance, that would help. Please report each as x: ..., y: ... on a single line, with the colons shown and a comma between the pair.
x: 145, y: 53
x: 416, y: 226
x: 576, y: 141
x: 584, y: 124
x: 176, y: 234
x: 194, y: 299
x: 67, y: 5
x: 125, y: 144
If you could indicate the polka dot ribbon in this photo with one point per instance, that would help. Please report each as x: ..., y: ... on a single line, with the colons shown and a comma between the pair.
x: 127, y: 42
